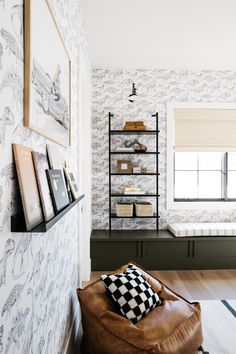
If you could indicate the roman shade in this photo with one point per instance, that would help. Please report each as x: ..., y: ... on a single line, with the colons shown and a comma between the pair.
x: 205, y: 129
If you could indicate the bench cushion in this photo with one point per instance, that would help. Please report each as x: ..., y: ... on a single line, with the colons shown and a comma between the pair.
x: 203, y: 229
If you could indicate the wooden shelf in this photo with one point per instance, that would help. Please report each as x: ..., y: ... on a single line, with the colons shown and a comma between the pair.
x: 118, y: 132
x: 134, y: 174
x: 18, y: 221
x: 114, y: 216
x: 133, y: 152
x: 134, y: 195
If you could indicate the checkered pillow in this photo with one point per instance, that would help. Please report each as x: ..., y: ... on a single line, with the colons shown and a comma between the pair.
x: 130, y: 291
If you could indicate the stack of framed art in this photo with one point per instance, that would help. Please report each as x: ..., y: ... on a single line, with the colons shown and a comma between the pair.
x: 45, y: 191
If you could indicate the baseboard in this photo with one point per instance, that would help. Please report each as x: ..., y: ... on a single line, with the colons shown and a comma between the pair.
x: 85, y: 276
x: 75, y: 335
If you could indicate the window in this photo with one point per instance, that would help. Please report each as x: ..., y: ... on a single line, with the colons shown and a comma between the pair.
x: 201, y: 156
x: 208, y: 176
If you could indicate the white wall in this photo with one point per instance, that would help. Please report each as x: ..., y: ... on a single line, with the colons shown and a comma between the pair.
x: 85, y: 156
x: 38, y: 272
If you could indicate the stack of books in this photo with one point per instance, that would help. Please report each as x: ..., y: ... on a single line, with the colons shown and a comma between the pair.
x: 149, y: 170
x: 133, y: 190
x: 124, y: 149
x: 135, y: 125
x: 137, y: 169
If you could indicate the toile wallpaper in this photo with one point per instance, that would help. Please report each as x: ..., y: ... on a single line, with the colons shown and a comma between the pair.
x: 38, y: 272
x: 155, y: 88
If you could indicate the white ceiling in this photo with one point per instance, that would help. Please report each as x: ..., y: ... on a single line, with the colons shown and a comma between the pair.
x: 149, y: 34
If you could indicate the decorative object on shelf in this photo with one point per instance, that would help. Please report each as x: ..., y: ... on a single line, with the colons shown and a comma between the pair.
x: 133, y: 95
x: 124, y: 209
x: 72, y: 182
x: 137, y: 169
x: 28, y: 186
x: 137, y: 146
x: 149, y: 169
x: 58, y: 189
x: 41, y: 165
x: 133, y: 190
x: 135, y: 125
x: 47, y: 77
x: 124, y: 166
x: 143, y: 209
x: 124, y: 149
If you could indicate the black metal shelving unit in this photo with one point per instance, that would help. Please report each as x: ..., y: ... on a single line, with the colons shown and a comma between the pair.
x: 156, y: 174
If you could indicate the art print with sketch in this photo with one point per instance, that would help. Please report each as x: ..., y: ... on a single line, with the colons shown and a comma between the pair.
x: 47, y: 75
x: 28, y: 186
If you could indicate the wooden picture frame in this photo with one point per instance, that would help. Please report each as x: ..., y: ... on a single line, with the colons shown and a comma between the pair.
x: 124, y: 166
x: 47, y: 75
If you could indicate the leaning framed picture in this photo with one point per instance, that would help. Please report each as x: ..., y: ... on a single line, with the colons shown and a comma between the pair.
x: 47, y: 75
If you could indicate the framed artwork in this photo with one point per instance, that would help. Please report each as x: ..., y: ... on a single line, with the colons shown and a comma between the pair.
x: 124, y: 166
x: 47, y: 75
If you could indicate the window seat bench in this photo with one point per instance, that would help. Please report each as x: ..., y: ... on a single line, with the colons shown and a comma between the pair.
x: 161, y: 250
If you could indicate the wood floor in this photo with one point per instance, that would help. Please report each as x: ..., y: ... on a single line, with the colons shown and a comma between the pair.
x: 195, y: 284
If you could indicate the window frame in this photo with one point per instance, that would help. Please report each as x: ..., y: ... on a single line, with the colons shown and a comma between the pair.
x: 188, y: 204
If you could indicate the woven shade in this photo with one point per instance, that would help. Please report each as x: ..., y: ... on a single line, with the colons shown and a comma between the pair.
x: 205, y: 129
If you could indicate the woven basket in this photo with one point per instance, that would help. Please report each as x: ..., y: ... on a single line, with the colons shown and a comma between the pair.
x: 124, y: 209
x: 143, y: 209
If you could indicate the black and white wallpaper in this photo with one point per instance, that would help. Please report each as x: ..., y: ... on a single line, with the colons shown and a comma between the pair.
x: 155, y: 88
x: 38, y: 272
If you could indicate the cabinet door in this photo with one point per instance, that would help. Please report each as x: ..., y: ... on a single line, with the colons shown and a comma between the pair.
x: 117, y: 249
x: 111, y: 255
x: 166, y: 255
x: 215, y: 248
x: 215, y: 253
x: 173, y: 249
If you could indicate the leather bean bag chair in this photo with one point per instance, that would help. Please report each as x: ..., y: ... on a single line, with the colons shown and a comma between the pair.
x: 174, y: 327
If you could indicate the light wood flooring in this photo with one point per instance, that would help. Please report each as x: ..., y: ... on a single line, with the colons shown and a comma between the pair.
x: 195, y: 284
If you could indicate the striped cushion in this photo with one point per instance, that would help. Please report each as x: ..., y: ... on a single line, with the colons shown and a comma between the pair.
x: 203, y: 229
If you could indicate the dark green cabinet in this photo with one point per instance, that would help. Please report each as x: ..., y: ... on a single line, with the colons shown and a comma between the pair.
x: 161, y: 250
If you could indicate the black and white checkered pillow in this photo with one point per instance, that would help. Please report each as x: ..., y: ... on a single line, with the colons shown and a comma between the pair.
x: 130, y: 291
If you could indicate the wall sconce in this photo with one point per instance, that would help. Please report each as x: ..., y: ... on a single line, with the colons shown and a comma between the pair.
x: 133, y: 95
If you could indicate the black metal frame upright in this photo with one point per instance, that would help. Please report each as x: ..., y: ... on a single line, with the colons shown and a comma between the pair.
x: 156, y: 195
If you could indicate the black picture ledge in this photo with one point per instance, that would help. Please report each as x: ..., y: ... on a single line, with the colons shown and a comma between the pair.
x: 18, y: 220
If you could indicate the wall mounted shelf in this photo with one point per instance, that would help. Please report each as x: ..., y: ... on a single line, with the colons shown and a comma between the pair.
x: 133, y: 174
x: 18, y: 220
x: 114, y: 216
x: 118, y: 132
x: 133, y: 195
x: 133, y: 152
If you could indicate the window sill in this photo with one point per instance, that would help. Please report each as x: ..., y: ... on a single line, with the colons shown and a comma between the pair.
x: 200, y: 205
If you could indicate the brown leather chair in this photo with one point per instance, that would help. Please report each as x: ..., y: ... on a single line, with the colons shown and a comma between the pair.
x: 174, y: 327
